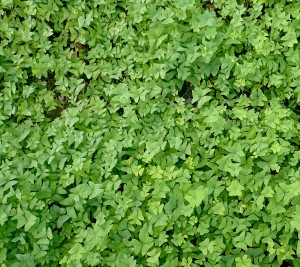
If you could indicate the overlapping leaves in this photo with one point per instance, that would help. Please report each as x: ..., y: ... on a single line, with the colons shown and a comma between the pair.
x: 149, y: 133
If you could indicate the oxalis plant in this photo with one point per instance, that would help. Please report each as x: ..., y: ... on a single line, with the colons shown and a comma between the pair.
x: 149, y: 133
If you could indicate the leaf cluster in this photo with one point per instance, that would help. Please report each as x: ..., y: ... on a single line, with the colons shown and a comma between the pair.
x: 149, y: 133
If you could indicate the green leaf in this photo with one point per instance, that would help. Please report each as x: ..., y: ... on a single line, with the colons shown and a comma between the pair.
x: 235, y: 188
x: 196, y: 196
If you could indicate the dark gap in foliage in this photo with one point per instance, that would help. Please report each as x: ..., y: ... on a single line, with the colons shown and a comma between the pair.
x: 180, y: 253
x: 120, y: 111
x: 134, y: 27
x: 257, y: 108
x: 55, y: 34
x: 209, y: 5
x: 194, y: 241
x: 92, y: 218
x: 227, y: 105
x: 295, y: 142
x: 205, y: 168
x: 169, y: 232
x: 53, y: 114
x: 121, y: 187
x: 292, y: 104
x: 186, y: 92
x: 266, y: 202
x: 246, y: 92
x: 162, y: 260
x: 29, y: 71
x: 70, y: 44
x: 240, y: 50
x: 94, y: 155
x: 18, y: 17
x: 58, y: 28
x: 297, y: 110
x: 53, y: 204
x: 265, y: 6
x: 8, y: 11
x: 287, y: 263
x: 125, y: 157
x: 82, y: 46
x: 245, y: 3
x: 112, y: 43
x: 62, y: 100
x: 179, y: 163
x: 87, y: 82
x: 120, y: 7
x: 50, y: 80
x: 268, y: 29
x: 184, y: 89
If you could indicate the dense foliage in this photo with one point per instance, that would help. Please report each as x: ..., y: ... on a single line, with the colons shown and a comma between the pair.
x: 149, y: 133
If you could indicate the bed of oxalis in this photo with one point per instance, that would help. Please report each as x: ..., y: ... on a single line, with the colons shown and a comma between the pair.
x: 149, y: 133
